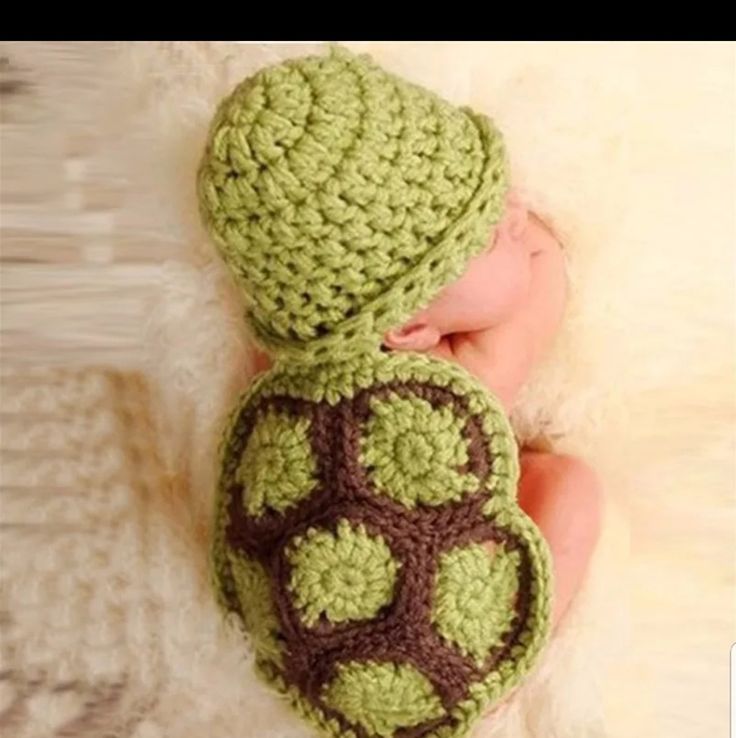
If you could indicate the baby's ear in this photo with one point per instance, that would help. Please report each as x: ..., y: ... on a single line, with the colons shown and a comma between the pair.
x: 414, y: 336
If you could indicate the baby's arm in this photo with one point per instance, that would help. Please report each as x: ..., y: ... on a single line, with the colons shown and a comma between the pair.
x: 503, y: 355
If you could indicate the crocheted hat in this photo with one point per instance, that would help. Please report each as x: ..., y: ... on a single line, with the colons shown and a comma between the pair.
x: 344, y: 198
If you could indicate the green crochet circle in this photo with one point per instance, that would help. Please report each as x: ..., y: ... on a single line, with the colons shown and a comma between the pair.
x: 475, y: 590
x: 277, y: 468
x: 412, y: 451
x: 382, y: 697
x: 346, y: 575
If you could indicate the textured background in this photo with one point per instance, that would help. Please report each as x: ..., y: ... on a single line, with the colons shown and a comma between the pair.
x: 122, y: 347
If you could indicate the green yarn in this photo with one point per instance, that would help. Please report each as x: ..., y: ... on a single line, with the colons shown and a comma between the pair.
x: 413, y: 451
x: 258, y: 615
x: 277, y: 468
x: 344, y: 198
x: 474, y: 597
x: 510, y: 671
x: 383, y: 697
x: 346, y: 575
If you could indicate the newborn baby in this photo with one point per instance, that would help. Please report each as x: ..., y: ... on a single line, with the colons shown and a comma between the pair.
x: 496, y: 321
x: 377, y: 534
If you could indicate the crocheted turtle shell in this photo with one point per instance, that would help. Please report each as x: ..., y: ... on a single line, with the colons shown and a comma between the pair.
x: 368, y: 539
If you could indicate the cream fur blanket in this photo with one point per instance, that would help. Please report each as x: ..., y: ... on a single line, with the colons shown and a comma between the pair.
x: 629, y: 150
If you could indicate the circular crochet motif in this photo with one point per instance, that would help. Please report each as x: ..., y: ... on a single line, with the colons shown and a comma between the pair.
x: 475, y: 591
x: 382, y: 697
x: 277, y: 468
x: 346, y: 575
x: 413, y: 451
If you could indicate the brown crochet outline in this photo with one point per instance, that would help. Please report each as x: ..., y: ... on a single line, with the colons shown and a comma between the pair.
x: 403, y: 630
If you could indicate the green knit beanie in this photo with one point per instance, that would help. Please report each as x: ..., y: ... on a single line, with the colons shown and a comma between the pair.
x: 343, y: 199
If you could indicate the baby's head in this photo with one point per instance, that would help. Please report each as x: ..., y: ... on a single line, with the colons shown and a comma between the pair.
x: 356, y: 209
x: 489, y: 289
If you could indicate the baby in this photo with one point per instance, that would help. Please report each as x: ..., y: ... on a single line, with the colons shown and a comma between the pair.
x: 377, y: 533
x: 496, y: 321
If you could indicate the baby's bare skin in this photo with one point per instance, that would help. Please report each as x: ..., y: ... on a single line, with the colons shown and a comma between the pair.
x: 497, y: 321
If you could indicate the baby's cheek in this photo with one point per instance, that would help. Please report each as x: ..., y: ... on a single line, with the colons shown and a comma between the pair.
x: 493, y: 287
x: 507, y: 275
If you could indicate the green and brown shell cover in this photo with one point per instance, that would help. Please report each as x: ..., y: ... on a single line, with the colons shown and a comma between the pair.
x: 369, y: 541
